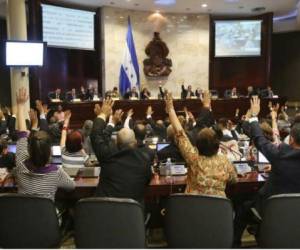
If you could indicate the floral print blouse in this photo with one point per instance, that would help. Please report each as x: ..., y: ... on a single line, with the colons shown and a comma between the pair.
x: 206, y: 175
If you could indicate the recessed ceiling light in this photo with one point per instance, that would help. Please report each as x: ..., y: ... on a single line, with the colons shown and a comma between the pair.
x: 204, y: 5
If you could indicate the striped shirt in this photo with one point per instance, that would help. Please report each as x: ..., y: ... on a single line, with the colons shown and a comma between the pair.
x: 74, y: 160
x: 43, y: 182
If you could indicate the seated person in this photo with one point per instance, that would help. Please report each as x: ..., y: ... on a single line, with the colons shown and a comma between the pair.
x: 199, y: 93
x: 251, y: 92
x: 131, y: 94
x: 267, y: 93
x: 145, y: 94
x: 162, y: 93
x: 158, y: 127
x: 125, y: 168
x: 7, y: 159
x: 231, y: 93
x: 284, y: 177
x: 186, y: 93
x: 72, y: 95
x: 59, y: 114
x: 73, y: 154
x: 57, y: 95
x: 33, y: 173
x: 208, y: 172
x: 86, y: 132
x: 3, y: 123
x: 112, y: 93
x: 228, y: 132
x: 82, y: 94
x: 91, y: 92
x: 172, y: 150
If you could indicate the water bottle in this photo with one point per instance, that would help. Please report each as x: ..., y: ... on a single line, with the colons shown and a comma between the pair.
x: 168, y: 168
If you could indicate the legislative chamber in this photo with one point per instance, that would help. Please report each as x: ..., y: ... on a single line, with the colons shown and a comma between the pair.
x: 149, y: 124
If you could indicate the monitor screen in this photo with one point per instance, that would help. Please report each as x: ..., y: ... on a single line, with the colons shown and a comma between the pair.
x: 56, y: 151
x: 160, y: 146
x: 12, y: 148
x: 68, y: 28
x: 262, y: 159
x: 24, y: 53
x: 238, y: 38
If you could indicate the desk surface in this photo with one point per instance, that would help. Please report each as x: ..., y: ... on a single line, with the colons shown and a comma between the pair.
x: 158, y: 186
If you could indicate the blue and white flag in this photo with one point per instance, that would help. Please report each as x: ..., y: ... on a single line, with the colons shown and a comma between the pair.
x: 129, y: 73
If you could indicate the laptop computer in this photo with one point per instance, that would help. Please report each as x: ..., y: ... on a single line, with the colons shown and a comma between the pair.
x: 56, y: 155
x: 160, y: 146
x: 242, y: 167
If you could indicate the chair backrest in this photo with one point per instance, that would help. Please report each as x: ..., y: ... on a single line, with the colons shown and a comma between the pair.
x: 109, y: 223
x: 194, y: 221
x: 281, y: 222
x: 28, y: 222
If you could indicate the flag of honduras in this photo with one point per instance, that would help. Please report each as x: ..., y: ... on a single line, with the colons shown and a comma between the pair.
x: 129, y: 73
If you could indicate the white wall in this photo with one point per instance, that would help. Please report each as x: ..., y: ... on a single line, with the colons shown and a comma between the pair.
x: 187, y: 37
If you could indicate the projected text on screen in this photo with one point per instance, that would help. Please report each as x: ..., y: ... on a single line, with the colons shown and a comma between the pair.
x: 68, y: 28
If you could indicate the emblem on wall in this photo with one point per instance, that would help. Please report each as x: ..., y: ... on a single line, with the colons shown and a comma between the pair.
x: 157, y: 64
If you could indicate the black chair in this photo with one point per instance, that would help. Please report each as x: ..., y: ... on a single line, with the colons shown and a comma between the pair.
x: 280, y: 227
x: 28, y: 222
x: 194, y: 221
x: 109, y: 223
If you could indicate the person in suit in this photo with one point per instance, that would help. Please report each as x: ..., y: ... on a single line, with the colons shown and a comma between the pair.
x: 72, y: 95
x: 131, y: 94
x: 57, y: 94
x: 90, y: 93
x: 82, y: 94
x: 125, y: 168
x: 186, y: 93
x: 199, y: 93
x: 7, y: 159
x: 172, y: 150
x: 267, y: 93
x: 251, y: 92
x: 284, y: 177
x: 162, y: 92
x: 145, y: 94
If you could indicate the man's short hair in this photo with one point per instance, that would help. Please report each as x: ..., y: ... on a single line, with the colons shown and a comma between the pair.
x: 295, y: 133
x: 207, y: 142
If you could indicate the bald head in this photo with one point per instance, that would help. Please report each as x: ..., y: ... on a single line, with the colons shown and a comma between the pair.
x: 126, y: 137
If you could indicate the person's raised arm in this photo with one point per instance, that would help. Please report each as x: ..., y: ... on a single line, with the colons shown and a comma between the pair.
x: 269, y: 150
x: 43, y: 120
x: 172, y: 114
x: 22, y: 97
x: 65, y: 128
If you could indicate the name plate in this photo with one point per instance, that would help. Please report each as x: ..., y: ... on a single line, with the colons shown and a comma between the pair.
x: 55, y: 100
x: 133, y: 98
x: 76, y: 100
x: 115, y: 98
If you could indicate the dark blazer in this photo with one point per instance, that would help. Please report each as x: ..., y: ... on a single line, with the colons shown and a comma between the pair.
x: 130, y: 94
x: 71, y: 98
x: 184, y: 92
x: 161, y: 132
x: 172, y: 152
x: 125, y: 173
x: 285, y: 175
x: 144, y: 97
x: 52, y: 95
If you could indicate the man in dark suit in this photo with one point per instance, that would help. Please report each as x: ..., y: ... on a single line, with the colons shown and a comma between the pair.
x: 57, y: 94
x: 131, y: 94
x: 186, y: 93
x: 125, y: 168
x: 172, y: 150
x: 285, y: 174
x: 72, y: 95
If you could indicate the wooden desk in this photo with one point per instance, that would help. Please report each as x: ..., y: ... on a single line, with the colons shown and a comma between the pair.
x: 221, y: 108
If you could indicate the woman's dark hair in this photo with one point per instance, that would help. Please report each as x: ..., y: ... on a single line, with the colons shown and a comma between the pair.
x: 207, y: 142
x: 39, y: 148
x: 74, y: 142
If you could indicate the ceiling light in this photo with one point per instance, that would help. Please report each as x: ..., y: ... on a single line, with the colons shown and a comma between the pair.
x: 204, y: 5
x: 165, y: 2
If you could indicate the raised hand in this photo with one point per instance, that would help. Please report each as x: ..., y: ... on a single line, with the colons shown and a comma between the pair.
x: 206, y: 99
x: 68, y: 115
x: 191, y: 117
x: 149, y: 111
x: 22, y: 96
x: 107, y: 106
x: 39, y: 106
x: 130, y: 113
x: 169, y: 103
x: 255, y: 106
x: 117, y: 116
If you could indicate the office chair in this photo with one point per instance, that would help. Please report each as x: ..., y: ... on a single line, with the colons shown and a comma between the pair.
x: 28, y: 222
x: 281, y: 222
x: 196, y: 221
x: 109, y: 223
